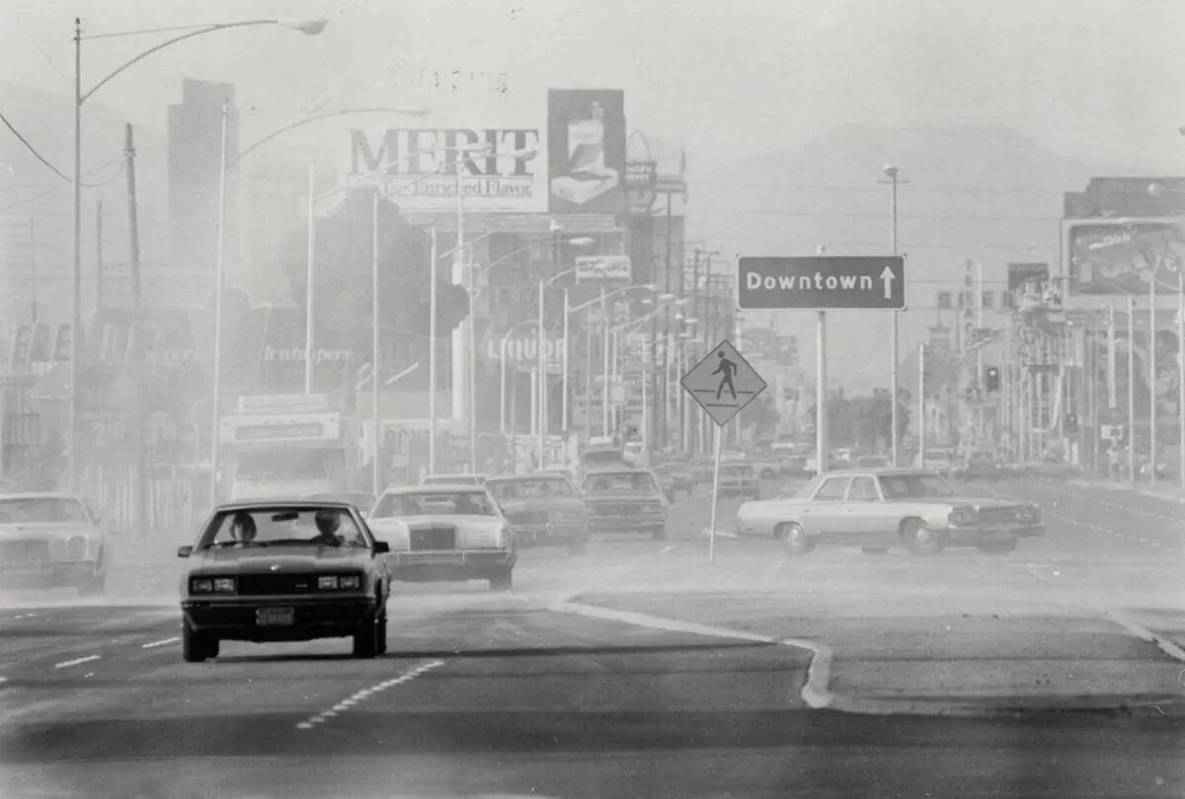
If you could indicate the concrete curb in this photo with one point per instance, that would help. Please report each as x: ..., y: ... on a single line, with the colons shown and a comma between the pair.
x: 817, y: 694
x: 1168, y: 496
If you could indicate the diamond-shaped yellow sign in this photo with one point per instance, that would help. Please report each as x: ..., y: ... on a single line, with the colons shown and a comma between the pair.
x: 723, y: 382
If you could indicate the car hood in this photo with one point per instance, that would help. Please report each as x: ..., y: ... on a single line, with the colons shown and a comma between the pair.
x: 23, y: 531
x: 472, y: 531
x: 257, y: 560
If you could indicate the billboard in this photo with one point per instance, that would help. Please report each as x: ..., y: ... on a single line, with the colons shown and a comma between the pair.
x: 1118, y: 256
x: 417, y: 168
x: 603, y: 269
x: 586, y: 150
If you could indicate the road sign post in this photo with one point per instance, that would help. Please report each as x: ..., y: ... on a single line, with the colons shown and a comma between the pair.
x: 723, y: 383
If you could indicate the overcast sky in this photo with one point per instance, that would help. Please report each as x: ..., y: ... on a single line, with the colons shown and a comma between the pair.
x: 1090, y: 78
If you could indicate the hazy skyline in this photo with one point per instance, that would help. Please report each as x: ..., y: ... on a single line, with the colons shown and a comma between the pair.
x: 1092, y: 80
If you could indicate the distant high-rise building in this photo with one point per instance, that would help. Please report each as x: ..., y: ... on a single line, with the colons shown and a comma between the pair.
x: 195, y: 153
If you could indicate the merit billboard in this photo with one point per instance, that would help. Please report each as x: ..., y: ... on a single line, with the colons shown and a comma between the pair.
x: 822, y: 282
x: 416, y: 168
x: 586, y: 134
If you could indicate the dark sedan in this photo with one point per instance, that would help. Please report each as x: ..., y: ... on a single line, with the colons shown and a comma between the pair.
x: 284, y: 571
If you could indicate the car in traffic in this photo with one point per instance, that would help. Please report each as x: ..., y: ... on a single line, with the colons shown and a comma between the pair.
x: 286, y: 570
x: 680, y: 476
x: 703, y: 470
x: 625, y: 501
x: 49, y: 540
x: 362, y: 500
x: 767, y: 467
x: 739, y: 479
x: 542, y: 508
x: 980, y: 466
x: 882, y: 508
x: 466, y: 479
x: 938, y: 459
x: 445, y: 533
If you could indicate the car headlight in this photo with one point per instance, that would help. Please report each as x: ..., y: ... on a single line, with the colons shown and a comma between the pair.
x: 327, y: 583
x: 208, y: 585
x: 353, y: 582
x: 961, y: 516
x: 201, y: 586
x: 224, y: 585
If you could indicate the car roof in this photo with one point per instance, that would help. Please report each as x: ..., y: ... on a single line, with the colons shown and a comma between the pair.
x: 434, y: 489
x: 39, y: 495
x: 288, y: 502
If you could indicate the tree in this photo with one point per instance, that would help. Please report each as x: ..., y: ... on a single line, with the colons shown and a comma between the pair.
x: 342, y: 269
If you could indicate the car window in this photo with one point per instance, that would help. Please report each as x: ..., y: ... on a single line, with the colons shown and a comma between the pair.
x: 42, y: 509
x: 532, y: 488
x: 863, y: 489
x: 274, y: 525
x: 916, y: 486
x: 433, y: 503
x: 833, y: 489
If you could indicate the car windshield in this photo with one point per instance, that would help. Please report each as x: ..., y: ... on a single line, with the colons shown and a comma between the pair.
x: 265, y: 526
x: 41, y: 509
x: 620, y: 482
x: 427, y: 503
x: 916, y: 486
x: 530, y: 488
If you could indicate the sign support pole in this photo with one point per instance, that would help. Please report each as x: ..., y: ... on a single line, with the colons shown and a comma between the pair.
x: 821, y: 393
x: 715, y: 498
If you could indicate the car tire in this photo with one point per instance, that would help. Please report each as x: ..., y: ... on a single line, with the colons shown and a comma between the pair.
x: 366, y: 639
x: 920, y: 539
x: 502, y: 580
x: 794, y: 538
x: 197, y: 646
x: 998, y: 547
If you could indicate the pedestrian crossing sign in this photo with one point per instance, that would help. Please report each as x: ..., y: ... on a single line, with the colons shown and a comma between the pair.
x: 723, y: 382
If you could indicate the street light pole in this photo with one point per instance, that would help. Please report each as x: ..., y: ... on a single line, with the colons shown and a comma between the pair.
x: 432, y: 350
x: 1152, y: 374
x: 219, y: 280
x: 375, y: 352
x: 1181, y: 375
x: 564, y: 380
x: 605, y: 364
x: 541, y: 361
x: 892, y: 172
x: 76, y: 296
x: 308, y: 321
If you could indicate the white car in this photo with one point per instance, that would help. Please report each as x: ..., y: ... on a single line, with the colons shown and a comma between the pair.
x: 50, y: 539
x: 444, y: 533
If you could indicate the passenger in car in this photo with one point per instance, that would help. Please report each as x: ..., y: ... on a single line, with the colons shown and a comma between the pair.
x: 242, y: 528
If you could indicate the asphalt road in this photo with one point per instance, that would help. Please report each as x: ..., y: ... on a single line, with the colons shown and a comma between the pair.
x: 642, y: 670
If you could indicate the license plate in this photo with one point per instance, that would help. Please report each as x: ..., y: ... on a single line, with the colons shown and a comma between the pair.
x: 275, y: 617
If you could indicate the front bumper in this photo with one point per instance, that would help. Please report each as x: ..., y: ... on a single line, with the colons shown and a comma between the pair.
x: 234, y: 618
x: 972, y: 535
x: 441, y: 566
x: 626, y: 524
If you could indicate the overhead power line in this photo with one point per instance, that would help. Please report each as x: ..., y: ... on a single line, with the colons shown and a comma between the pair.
x: 32, y: 149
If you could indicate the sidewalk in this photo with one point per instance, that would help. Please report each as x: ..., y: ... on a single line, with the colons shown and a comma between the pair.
x: 1169, y: 494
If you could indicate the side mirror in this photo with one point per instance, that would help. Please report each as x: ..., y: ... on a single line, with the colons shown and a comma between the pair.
x: 381, y: 547
x: 184, y: 552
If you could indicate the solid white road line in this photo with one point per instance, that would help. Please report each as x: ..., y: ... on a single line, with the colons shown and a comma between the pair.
x: 76, y: 661
x: 162, y: 642
x: 1143, y: 633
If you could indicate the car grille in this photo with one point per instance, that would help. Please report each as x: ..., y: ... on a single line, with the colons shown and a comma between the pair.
x: 999, y: 515
x: 433, y: 537
x: 615, y: 509
x: 23, y: 553
x: 256, y: 584
x: 529, y: 517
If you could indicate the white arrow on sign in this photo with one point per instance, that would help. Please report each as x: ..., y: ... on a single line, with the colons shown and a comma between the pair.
x: 887, y: 276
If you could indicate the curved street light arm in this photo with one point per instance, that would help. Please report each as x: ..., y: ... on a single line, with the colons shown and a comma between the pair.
x: 174, y: 40
x: 406, y: 110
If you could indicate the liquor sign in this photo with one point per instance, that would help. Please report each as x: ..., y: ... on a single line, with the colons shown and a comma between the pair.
x: 417, y: 168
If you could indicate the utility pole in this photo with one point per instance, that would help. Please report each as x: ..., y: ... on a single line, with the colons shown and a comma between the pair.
x: 139, y: 476
x: 98, y: 256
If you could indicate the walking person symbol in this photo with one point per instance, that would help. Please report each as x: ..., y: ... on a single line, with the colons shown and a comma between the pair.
x: 726, y: 370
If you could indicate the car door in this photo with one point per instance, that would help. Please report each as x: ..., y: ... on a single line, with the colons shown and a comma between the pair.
x: 825, y: 513
x: 865, y: 513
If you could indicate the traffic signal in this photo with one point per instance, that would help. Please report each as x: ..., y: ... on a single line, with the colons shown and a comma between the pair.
x: 991, y: 378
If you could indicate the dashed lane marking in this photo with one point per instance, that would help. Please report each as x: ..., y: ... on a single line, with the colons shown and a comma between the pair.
x: 162, y: 642
x: 77, y: 661
x: 366, y: 693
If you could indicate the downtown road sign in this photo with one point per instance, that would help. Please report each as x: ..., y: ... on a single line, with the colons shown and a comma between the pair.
x: 723, y: 382
x: 822, y: 282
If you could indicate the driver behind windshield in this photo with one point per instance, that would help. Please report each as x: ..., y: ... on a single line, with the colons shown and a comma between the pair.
x: 328, y: 520
x: 242, y: 529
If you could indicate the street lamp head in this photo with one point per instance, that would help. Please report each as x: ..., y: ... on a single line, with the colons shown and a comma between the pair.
x: 308, y: 25
x: 890, y: 170
x: 666, y: 297
x: 582, y: 241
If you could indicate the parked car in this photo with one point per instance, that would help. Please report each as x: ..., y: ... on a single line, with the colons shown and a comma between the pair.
x: 50, y: 539
x: 739, y: 480
x: 625, y: 501
x: 767, y: 467
x: 979, y: 466
x: 703, y: 470
x: 542, y: 509
x: 443, y: 533
x: 454, y: 480
x: 681, y: 476
x: 284, y: 571
x: 878, y: 509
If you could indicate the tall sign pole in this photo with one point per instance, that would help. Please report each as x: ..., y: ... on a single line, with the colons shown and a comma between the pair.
x: 376, y: 356
x: 310, y: 247
x: 1131, y: 387
x: 723, y: 383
